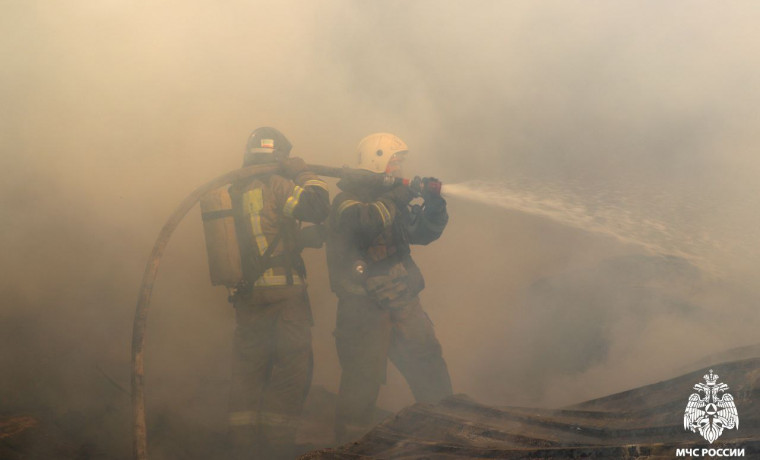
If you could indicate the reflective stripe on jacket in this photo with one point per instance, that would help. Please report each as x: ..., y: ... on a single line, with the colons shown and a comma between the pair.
x: 373, y: 228
x: 266, y: 205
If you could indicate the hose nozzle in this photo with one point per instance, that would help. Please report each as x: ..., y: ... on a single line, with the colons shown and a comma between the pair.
x: 424, y: 186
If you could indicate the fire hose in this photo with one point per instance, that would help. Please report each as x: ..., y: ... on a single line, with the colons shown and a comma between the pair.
x: 139, y: 433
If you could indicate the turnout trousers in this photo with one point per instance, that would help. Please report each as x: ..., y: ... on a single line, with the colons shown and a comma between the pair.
x: 366, y: 336
x: 271, y: 371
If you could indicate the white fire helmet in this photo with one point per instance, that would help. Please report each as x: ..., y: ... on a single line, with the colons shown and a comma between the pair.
x: 382, y: 153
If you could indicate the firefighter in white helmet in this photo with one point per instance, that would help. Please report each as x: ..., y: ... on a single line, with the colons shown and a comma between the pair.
x: 272, y: 363
x: 377, y: 283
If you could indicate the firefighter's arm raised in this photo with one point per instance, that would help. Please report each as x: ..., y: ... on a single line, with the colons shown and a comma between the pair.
x: 308, y: 199
x: 369, y: 219
x: 428, y: 221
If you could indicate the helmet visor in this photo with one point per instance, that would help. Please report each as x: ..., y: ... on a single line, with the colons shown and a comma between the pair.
x: 395, y: 164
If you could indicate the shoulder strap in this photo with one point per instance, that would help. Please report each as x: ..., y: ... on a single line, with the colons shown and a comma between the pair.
x: 266, y: 258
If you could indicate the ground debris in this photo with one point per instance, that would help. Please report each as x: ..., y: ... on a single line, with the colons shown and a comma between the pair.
x: 642, y: 423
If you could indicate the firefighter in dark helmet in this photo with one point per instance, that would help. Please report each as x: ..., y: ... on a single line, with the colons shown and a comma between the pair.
x: 377, y: 283
x: 272, y: 364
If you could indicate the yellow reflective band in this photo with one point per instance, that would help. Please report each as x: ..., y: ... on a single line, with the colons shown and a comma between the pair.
x: 270, y: 279
x: 242, y: 418
x: 253, y: 203
x: 315, y: 183
x: 292, y: 201
x: 384, y: 213
x: 345, y: 205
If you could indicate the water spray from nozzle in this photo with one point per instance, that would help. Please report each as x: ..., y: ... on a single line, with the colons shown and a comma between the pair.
x: 592, y: 211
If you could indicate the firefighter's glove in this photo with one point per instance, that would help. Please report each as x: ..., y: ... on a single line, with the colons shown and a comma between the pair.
x: 292, y: 167
x: 416, y: 185
x: 431, y: 188
x: 400, y: 194
x: 434, y: 205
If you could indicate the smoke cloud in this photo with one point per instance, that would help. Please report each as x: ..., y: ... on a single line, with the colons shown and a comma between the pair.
x: 114, y: 111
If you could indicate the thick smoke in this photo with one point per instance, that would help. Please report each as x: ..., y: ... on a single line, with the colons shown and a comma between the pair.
x: 113, y: 111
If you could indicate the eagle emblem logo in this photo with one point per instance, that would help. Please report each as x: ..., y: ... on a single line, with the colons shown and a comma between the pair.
x: 710, y: 410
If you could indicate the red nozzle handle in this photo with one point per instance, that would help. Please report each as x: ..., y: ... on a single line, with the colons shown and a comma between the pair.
x: 428, y: 185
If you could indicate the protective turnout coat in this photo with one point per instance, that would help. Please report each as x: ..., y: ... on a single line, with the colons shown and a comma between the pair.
x: 273, y: 362
x: 268, y: 206
x: 379, y: 312
x: 368, y: 226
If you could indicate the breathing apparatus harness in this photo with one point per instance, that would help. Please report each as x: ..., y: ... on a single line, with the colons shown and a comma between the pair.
x: 255, y: 264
